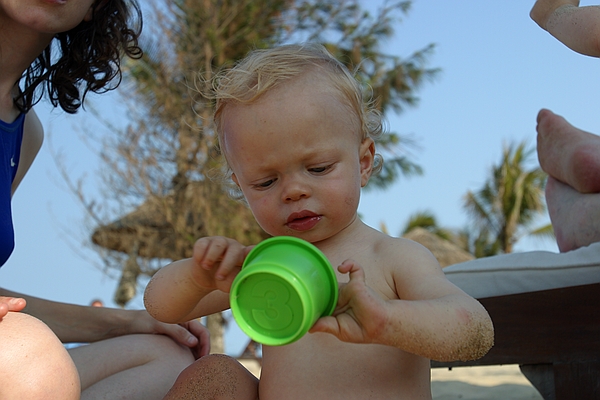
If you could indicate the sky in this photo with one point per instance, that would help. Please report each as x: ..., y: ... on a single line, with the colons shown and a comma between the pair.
x: 498, y: 70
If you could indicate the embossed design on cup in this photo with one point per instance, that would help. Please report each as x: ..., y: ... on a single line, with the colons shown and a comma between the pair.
x: 284, y: 286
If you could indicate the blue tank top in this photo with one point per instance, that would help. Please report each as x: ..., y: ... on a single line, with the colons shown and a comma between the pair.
x: 11, y: 136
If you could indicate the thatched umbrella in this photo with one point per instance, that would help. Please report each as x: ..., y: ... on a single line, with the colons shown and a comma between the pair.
x: 145, y: 229
x: 447, y: 253
x: 145, y: 232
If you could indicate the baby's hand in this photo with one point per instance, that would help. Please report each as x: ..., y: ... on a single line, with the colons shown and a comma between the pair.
x: 360, y: 315
x: 218, y: 260
x: 10, y: 304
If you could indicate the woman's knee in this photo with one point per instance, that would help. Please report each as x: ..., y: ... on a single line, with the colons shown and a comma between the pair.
x: 34, y: 362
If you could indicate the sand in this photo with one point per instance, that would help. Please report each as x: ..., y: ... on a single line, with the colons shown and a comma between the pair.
x: 482, y: 383
x: 504, y: 382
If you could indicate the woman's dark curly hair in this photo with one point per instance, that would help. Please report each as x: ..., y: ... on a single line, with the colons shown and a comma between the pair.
x: 90, y: 57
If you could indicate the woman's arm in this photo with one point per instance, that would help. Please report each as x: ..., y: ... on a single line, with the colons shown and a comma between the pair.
x: 75, y: 323
x: 33, y: 137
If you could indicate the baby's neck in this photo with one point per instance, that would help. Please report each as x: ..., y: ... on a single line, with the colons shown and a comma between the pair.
x: 353, y: 234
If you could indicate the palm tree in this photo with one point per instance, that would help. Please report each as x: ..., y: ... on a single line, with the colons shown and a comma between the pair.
x: 428, y: 221
x: 504, y: 209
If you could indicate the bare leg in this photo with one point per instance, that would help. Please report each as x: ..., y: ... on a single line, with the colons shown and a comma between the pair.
x: 568, y: 154
x: 215, y: 377
x: 575, y: 216
x: 34, y: 363
x: 130, y: 367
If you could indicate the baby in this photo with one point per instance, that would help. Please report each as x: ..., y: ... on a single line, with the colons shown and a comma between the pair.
x: 299, y: 140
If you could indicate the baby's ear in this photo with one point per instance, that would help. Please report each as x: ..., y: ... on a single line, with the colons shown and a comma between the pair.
x: 235, y: 179
x: 367, y: 157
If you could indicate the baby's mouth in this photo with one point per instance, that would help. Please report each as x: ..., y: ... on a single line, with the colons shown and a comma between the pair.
x: 303, y: 221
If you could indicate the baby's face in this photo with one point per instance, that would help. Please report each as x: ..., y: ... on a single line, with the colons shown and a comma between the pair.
x: 297, y: 156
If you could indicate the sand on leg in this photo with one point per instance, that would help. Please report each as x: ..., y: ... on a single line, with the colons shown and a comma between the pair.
x: 215, y: 377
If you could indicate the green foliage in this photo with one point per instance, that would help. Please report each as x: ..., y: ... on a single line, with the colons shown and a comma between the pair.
x: 506, y: 206
x: 426, y: 220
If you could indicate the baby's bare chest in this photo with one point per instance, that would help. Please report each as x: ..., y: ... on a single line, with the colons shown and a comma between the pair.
x: 378, y: 272
x: 320, y: 366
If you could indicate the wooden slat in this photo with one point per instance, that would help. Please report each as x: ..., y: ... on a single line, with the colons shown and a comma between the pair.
x: 577, y: 380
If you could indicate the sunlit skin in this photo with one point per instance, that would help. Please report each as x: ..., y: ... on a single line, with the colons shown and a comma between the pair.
x: 300, y: 160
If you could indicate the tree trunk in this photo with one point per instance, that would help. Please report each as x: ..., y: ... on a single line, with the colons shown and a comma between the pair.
x: 215, y: 324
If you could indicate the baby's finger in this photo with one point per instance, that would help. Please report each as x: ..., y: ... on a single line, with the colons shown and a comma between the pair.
x: 325, y: 325
x: 13, y: 303
x: 232, y: 260
x: 200, y: 248
x: 215, y: 251
x: 204, y: 338
x: 356, y: 272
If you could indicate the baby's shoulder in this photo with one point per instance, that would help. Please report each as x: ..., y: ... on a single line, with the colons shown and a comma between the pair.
x: 381, y: 254
x: 399, y: 247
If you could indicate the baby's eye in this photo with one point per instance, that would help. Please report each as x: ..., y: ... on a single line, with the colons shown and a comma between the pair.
x: 320, y: 170
x: 265, y: 184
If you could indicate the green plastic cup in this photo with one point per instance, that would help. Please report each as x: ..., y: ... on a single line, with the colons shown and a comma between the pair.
x: 284, y: 286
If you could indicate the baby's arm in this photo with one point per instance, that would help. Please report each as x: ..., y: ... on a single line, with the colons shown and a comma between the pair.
x: 576, y: 27
x: 197, y: 286
x: 434, y: 319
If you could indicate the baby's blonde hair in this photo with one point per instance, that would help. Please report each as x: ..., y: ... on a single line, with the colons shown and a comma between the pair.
x: 262, y: 70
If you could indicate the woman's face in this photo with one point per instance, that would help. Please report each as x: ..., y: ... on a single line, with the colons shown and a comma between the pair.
x: 45, y: 16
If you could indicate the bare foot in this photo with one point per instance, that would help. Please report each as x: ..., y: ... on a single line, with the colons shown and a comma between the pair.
x: 567, y: 153
x: 575, y: 216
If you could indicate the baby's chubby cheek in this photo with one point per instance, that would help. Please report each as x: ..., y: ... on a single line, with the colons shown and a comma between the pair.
x: 266, y: 214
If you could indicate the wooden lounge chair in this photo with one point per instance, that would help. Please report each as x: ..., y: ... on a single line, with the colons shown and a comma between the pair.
x: 546, y: 313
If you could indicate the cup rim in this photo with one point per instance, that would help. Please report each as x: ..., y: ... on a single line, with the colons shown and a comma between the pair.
x: 309, y: 247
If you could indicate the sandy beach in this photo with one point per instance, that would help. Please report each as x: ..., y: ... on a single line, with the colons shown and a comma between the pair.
x: 482, y: 383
